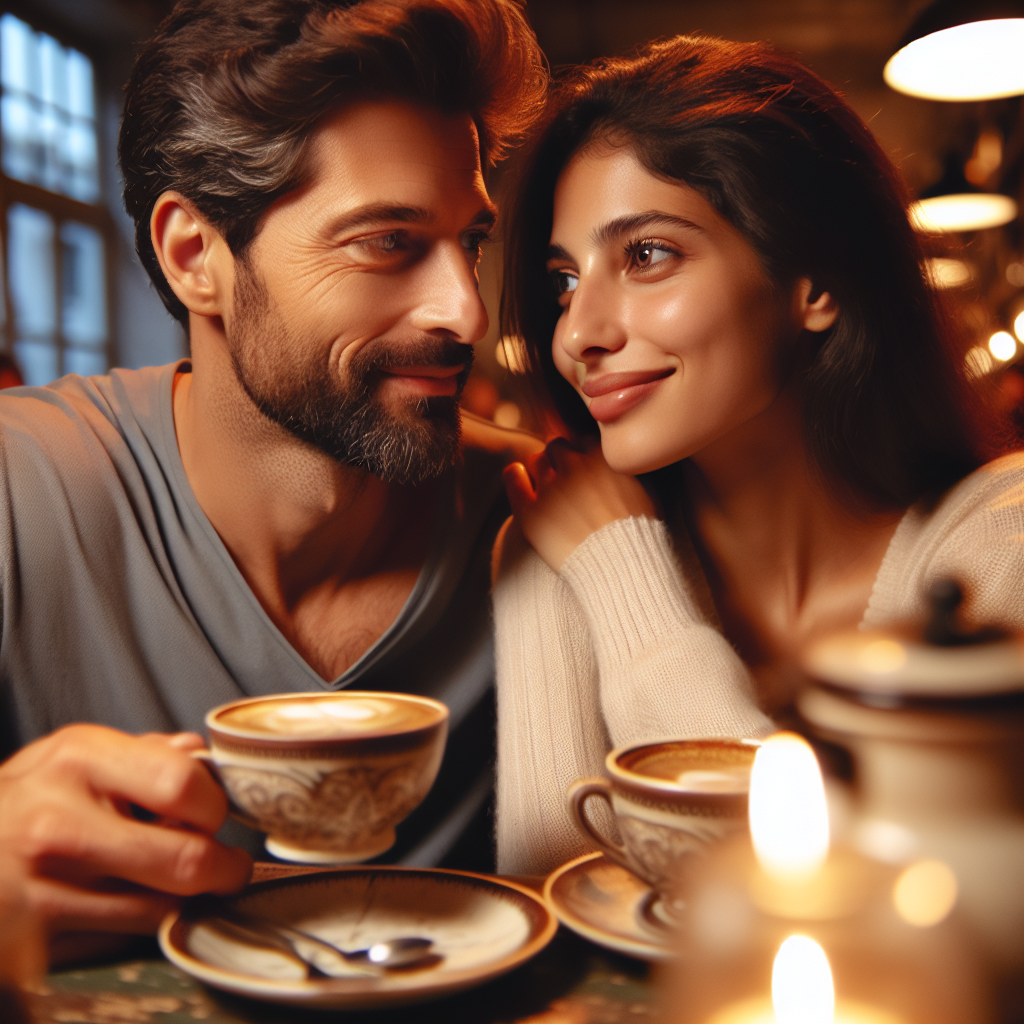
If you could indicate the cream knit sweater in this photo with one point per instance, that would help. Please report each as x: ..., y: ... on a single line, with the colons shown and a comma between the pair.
x: 615, y: 649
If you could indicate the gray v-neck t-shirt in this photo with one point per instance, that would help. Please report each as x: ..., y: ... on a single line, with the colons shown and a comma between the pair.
x: 121, y: 605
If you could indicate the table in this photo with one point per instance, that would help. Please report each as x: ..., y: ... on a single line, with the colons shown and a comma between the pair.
x: 572, y: 981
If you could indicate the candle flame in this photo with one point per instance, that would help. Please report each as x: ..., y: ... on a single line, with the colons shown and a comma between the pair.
x: 802, y: 990
x: 788, y: 814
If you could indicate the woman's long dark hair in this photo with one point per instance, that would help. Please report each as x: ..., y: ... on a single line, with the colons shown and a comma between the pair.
x: 773, y: 148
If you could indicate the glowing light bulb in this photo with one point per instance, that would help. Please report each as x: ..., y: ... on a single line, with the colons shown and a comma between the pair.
x: 802, y: 989
x: 1003, y: 345
x: 1018, y: 325
x: 788, y: 813
x: 976, y: 61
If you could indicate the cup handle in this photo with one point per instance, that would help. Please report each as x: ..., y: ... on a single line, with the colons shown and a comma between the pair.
x: 236, y: 812
x: 579, y: 792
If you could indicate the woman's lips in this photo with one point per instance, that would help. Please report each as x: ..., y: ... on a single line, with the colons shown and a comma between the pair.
x: 616, y: 393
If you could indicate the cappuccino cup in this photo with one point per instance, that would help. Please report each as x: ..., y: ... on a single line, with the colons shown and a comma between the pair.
x: 327, y: 776
x: 670, y: 801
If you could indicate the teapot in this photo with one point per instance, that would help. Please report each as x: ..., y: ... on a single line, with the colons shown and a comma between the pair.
x: 934, y: 721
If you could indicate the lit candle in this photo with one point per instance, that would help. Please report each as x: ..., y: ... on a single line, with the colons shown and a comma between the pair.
x: 802, y: 993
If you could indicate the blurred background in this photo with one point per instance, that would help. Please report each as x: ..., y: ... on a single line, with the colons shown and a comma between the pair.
x: 75, y: 299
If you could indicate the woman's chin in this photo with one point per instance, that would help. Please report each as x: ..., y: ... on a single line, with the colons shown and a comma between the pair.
x: 633, y: 458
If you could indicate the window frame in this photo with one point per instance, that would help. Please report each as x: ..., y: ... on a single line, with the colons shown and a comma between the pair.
x: 62, y: 208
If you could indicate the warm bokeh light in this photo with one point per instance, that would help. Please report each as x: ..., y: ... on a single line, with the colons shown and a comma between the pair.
x: 511, y: 355
x: 968, y: 211
x: 925, y: 893
x: 977, y: 61
x: 788, y: 813
x: 1002, y: 345
x: 978, y: 362
x: 508, y: 414
x: 1018, y: 326
x: 802, y: 989
x: 943, y: 272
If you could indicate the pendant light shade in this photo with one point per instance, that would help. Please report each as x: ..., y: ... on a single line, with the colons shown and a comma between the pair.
x: 962, y: 50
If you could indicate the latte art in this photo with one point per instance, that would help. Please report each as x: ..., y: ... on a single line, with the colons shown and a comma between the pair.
x: 329, y: 717
x: 736, y: 780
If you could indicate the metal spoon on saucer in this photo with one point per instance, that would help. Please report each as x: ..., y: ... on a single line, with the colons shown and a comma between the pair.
x: 322, y: 959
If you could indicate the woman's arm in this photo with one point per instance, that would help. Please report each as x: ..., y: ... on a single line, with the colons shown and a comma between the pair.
x: 550, y: 730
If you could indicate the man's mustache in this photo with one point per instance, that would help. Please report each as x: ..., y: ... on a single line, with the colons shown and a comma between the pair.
x: 381, y: 356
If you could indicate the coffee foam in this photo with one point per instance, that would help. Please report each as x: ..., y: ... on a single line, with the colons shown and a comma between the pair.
x: 698, y: 769
x: 329, y: 717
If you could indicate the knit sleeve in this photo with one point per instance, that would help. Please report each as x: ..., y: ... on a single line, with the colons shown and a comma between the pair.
x: 975, y: 534
x: 550, y: 731
x: 664, y: 672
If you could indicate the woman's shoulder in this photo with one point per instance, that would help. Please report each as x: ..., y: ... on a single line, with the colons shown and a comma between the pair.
x: 975, y: 533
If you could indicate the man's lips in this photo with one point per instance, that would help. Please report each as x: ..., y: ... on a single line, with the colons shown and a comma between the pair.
x: 614, y: 394
x: 427, y: 381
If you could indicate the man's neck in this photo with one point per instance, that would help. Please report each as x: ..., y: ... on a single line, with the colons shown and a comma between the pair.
x: 301, y: 528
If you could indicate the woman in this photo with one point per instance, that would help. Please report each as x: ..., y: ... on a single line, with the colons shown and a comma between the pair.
x: 712, y: 271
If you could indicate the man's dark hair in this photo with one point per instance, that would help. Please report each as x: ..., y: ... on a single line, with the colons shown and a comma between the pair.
x: 223, y: 100
x: 776, y: 152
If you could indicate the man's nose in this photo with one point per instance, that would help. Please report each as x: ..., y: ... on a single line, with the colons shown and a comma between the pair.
x: 593, y: 324
x: 450, y: 299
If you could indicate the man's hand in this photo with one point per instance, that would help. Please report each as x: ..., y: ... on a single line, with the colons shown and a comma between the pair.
x: 69, y: 810
x: 561, y: 496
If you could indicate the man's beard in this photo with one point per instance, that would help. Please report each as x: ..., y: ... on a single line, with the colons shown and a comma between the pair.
x: 409, y: 443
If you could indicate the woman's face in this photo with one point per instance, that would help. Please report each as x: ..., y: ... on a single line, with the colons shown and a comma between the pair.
x: 670, y: 330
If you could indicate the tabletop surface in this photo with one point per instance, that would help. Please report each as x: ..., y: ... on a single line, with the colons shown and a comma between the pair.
x: 572, y: 981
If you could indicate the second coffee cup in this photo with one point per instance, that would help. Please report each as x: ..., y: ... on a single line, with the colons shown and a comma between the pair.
x: 670, y: 800
x: 326, y: 775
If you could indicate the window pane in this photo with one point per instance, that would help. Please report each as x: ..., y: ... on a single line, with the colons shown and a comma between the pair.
x: 17, y: 52
x: 81, y: 361
x: 81, y: 98
x: 38, y: 361
x: 48, y: 111
x: 83, y: 284
x: 53, y: 79
x: 32, y: 272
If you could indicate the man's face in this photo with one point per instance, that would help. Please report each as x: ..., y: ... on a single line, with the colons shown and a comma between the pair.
x: 356, y: 307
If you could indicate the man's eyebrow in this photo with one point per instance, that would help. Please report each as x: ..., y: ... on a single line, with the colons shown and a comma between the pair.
x: 637, y: 221
x: 380, y: 213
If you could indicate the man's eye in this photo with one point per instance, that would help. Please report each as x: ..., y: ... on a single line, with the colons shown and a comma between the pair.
x: 383, y: 243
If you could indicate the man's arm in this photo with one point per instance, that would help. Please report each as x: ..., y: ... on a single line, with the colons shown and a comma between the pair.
x: 70, y: 805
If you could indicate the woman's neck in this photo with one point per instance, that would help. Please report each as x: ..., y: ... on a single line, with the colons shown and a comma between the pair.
x: 787, y: 558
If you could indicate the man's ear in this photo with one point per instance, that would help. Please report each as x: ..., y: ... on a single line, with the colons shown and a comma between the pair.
x: 815, y: 308
x: 193, y: 255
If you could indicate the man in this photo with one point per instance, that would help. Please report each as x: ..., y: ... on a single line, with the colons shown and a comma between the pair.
x: 290, y: 510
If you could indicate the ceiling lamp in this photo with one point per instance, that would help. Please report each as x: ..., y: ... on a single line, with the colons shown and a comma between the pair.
x: 954, y: 204
x: 963, y: 212
x: 962, y: 50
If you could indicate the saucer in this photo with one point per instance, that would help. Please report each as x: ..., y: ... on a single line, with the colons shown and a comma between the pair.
x: 481, y: 927
x: 610, y: 906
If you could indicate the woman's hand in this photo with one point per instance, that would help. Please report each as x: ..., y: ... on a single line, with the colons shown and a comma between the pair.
x: 561, y: 496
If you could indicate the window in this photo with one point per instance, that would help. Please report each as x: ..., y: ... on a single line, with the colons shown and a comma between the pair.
x: 55, y: 313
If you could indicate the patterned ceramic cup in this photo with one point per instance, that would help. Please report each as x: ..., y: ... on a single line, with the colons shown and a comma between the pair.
x: 326, y: 775
x: 670, y: 800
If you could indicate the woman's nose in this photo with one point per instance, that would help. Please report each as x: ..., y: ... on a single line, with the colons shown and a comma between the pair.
x: 593, y: 323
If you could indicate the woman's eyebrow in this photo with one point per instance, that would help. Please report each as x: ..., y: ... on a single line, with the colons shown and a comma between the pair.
x: 556, y: 252
x: 634, y: 222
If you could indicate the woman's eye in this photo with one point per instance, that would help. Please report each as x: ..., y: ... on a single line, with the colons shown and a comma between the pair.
x: 564, y: 282
x: 475, y: 241
x: 649, y: 254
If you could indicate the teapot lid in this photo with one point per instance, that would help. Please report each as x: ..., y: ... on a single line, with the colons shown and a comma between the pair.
x: 944, y: 662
